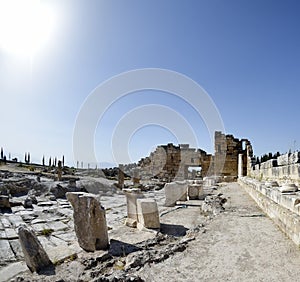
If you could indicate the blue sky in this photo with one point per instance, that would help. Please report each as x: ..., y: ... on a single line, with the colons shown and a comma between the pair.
x: 245, y: 54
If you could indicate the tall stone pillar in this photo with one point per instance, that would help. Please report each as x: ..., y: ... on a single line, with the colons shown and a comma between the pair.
x: 121, y: 176
x: 136, y: 176
x: 240, y: 165
x: 194, y: 174
x: 185, y: 172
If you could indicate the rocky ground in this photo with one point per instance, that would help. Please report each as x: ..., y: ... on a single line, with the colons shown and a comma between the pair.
x: 211, y: 240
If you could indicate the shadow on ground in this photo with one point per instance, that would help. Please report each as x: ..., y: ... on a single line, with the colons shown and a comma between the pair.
x: 173, y: 229
x: 118, y: 248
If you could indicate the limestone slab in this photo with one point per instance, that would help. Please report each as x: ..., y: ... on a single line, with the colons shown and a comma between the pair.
x: 12, y: 270
x: 67, y: 237
x: 57, y: 225
x: 148, y: 215
x: 15, y: 220
x: 5, y: 222
x: 175, y: 191
x: 16, y: 247
x: 6, y: 253
x: 11, y: 233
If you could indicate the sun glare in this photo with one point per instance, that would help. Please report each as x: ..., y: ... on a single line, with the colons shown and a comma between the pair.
x: 25, y: 26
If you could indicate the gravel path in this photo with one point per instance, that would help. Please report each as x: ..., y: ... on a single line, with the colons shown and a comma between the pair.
x: 241, y: 244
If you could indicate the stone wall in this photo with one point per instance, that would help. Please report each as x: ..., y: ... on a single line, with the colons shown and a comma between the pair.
x: 285, y: 168
x: 170, y: 162
x: 282, y: 208
x: 227, y: 151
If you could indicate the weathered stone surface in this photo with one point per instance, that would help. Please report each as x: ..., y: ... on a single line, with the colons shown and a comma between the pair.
x: 6, y: 253
x: 288, y: 188
x: 131, y: 222
x: 12, y: 270
x: 294, y: 158
x: 131, y: 199
x: 209, y: 181
x: 57, y: 225
x: 59, y: 191
x: 89, y: 221
x: 281, y: 208
x: 4, y: 201
x: 16, y: 247
x: 148, y: 215
x: 28, y: 203
x: 11, y: 233
x: 290, y: 158
x: 35, y: 256
x: 15, y: 220
x: 271, y: 184
x: 193, y: 191
x: 213, y: 204
x: 175, y: 191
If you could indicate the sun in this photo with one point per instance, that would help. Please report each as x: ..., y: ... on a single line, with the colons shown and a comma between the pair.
x: 25, y: 26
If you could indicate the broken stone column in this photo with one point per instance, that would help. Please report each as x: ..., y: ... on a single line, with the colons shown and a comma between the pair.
x: 35, y: 256
x: 148, y: 216
x: 131, y: 198
x: 59, y: 171
x: 121, y: 176
x: 240, y: 165
x: 186, y: 172
x: 175, y: 191
x: 89, y: 221
x: 136, y: 176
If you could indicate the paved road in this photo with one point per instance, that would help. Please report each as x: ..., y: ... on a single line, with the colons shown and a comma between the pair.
x: 241, y: 244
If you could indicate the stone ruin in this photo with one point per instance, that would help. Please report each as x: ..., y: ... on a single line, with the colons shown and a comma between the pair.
x: 89, y: 221
x: 35, y: 256
x: 141, y: 212
x: 170, y: 163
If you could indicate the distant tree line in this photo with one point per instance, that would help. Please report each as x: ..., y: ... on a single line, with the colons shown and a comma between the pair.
x: 267, y: 157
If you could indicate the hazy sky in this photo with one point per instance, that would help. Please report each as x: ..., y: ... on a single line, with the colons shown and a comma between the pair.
x: 245, y: 55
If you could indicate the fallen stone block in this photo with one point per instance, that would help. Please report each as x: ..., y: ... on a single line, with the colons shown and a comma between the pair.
x: 285, y: 188
x: 175, y: 191
x: 193, y: 191
x: 35, y: 256
x: 148, y: 215
x: 89, y: 221
x: 28, y: 203
x: 271, y: 184
x: 4, y: 202
x: 59, y: 191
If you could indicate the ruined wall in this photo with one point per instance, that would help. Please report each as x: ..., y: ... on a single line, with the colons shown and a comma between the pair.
x: 227, y: 151
x: 171, y: 162
x: 285, y: 167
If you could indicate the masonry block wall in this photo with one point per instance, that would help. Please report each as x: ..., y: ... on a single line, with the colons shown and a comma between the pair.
x: 170, y: 162
x: 285, y: 168
x: 227, y: 151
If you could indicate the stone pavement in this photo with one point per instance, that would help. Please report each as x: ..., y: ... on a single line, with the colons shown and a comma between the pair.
x: 241, y: 244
